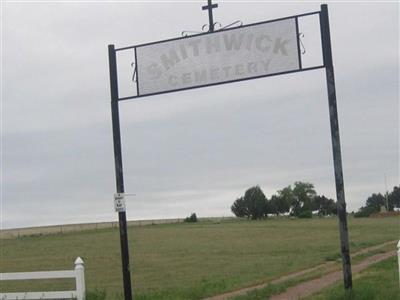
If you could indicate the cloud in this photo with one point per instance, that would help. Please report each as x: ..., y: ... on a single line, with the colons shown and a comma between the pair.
x: 194, y: 151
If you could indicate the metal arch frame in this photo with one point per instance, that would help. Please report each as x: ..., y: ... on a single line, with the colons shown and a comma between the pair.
x: 227, y: 29
x: 300, y: 69
x: 334, y: 124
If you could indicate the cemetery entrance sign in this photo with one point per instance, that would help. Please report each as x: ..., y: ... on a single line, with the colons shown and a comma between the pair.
x: 224, y: 56
x: 216, y: 57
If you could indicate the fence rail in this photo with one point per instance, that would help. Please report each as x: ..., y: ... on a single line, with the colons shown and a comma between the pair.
x: 38, y: 275
x: 78, y: 274
x: 40, y: 295
x: 60, y: 229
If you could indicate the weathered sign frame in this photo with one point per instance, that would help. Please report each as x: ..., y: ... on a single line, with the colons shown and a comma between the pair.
x: 300, y: 69
x: 334, y: 124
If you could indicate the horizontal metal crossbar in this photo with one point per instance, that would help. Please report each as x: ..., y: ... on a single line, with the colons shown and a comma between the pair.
x: 218, y: 83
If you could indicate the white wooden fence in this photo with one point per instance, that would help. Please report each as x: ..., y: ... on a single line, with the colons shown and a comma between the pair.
x: 398, y: 258
x: 78, y: 273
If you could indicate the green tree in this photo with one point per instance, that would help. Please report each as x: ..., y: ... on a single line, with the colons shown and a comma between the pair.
x: 272, y: 205
x: 252, y: 205
x: 280, y: 204
x: 239, y: 208
x: 375, y: 202
x: 303, y: 196
x: 192, y: 218
x: 394, y: 198
x: 364, y: 211
x: 324, y: 206
x: 295, y: 200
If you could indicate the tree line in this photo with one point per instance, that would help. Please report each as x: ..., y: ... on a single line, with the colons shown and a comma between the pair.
x: 302, y: 201
x: 299, y: 201
x: 375, y: 202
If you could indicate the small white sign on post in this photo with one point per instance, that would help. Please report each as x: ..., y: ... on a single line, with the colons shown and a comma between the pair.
x: 119, y: 202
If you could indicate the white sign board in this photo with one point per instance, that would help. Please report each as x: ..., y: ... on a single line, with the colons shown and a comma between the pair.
x: 222, y: 56
x: 119, y: 202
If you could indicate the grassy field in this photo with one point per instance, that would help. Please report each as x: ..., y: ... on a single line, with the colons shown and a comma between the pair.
x: 191, y: 261
x: 375, y: 283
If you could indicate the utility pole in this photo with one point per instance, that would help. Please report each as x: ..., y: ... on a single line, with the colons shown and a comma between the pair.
x: 386, y: 195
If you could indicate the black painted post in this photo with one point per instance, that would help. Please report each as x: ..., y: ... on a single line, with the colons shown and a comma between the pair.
x: 119, y: 176
x: 337, y: 156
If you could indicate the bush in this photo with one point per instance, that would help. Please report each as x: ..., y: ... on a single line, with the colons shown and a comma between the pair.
x: 192, y: 218
x: 307, y: 214
x: 361, y: 214
x: 365, y: 211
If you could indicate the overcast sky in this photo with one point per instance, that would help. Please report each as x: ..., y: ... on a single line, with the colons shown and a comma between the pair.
x: 192, y: 151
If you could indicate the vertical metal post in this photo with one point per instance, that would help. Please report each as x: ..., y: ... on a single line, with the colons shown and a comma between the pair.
x: 119, y: 176
x: 337, y: 156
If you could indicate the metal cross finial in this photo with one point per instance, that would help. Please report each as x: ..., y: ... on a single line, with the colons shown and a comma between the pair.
x: 210, y: 7
x: 212, y: 26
